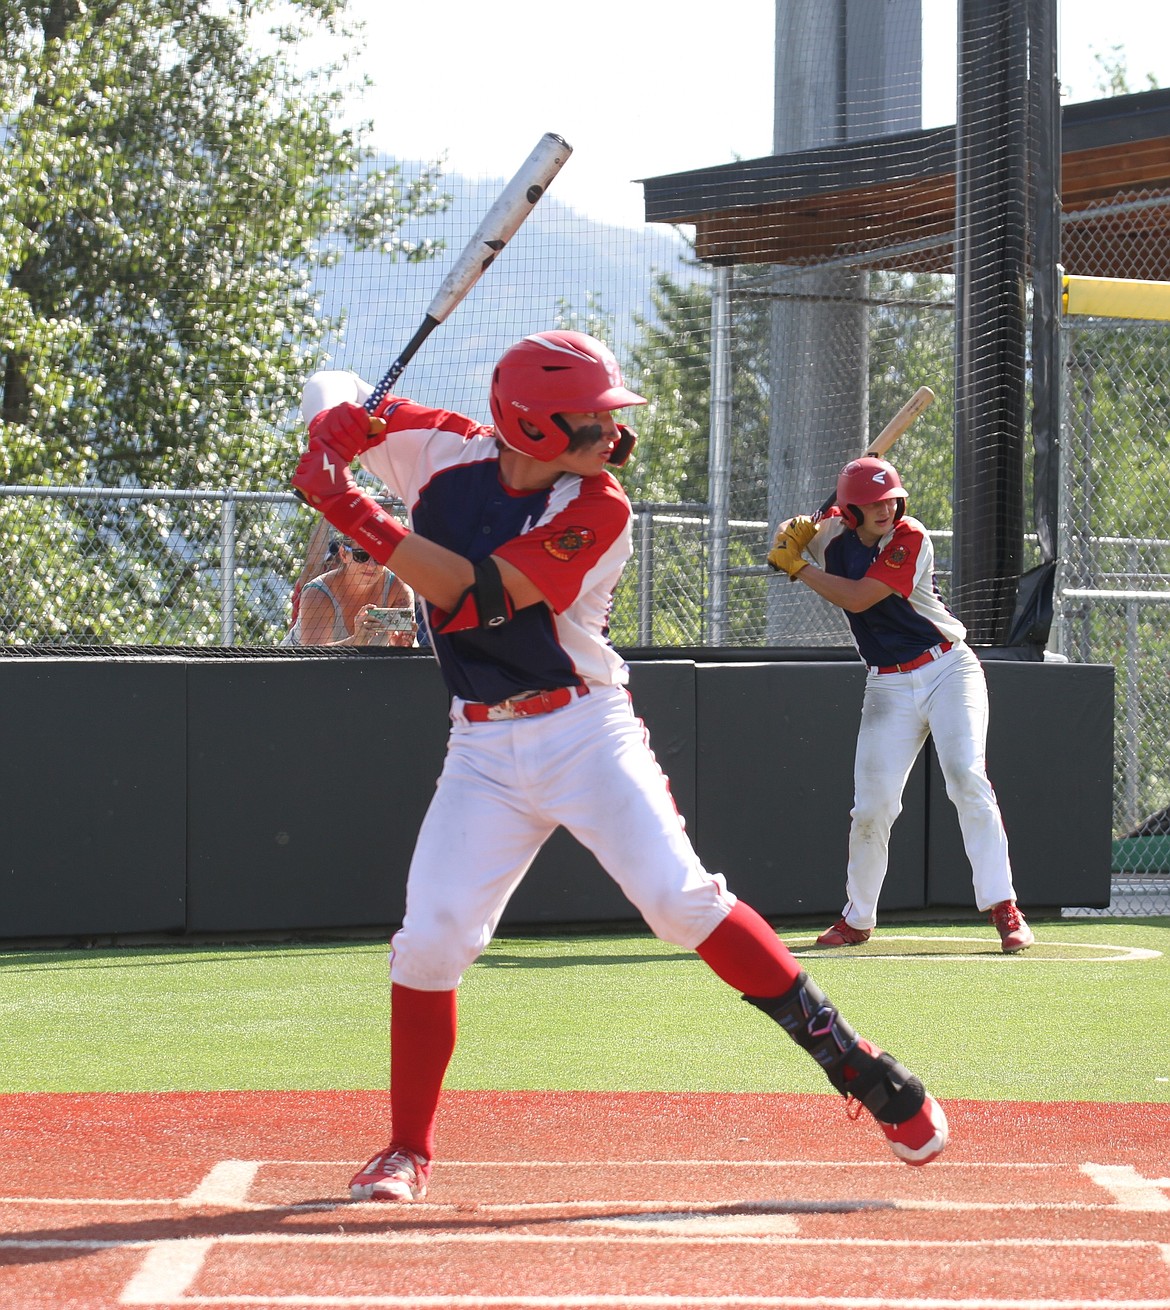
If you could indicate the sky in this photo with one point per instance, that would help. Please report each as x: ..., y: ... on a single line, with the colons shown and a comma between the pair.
x: 647, y: 87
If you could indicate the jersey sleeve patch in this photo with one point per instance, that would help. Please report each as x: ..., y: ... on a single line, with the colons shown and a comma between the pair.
x: 897, y: 563
x: 558, y: 554
x: 566, y: 542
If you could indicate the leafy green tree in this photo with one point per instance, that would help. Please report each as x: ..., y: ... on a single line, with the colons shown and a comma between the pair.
x: 670, y: 365
x: 1113, y: 73
x: 169, y: 188
x: 911, y: 342
x: 168, y: 193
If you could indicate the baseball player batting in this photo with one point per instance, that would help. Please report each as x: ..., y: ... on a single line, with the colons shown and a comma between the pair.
x: 518, y: 535
x: 877, y: 563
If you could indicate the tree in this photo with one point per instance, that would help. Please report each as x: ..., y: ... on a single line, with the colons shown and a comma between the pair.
x: 169, y: 192
x: 170, y: 186
x: 670, y: 364
x: 1113, y: 73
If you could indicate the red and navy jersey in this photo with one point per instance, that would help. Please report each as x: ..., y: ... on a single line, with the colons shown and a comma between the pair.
x: 571, y: 540
x: 901, y: 627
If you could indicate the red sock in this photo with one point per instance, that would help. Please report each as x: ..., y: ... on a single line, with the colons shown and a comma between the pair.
x: 746, y: 953
x: 422, y: 1041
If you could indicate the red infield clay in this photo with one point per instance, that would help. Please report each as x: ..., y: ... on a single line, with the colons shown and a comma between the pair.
x: 550, y: 1200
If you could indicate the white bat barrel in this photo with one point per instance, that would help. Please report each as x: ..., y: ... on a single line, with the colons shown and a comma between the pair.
x: 512, y: 207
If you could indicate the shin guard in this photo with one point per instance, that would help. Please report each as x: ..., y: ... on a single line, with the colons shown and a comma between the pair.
x: 856, y: 1068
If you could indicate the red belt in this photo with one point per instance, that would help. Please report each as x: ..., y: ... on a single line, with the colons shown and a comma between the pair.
x: 523, y: 706
x: 934, y: 653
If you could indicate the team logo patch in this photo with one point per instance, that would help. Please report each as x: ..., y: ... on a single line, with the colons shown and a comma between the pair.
x: 568, y: 542
x: 897, y: 557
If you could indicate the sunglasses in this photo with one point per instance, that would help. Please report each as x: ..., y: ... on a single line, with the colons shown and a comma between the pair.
x: 359, y: 556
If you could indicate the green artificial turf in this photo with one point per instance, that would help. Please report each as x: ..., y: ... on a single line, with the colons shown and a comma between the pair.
x: 1066, y: 1020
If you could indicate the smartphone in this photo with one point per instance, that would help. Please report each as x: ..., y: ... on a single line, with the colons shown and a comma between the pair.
x: 394, y: 620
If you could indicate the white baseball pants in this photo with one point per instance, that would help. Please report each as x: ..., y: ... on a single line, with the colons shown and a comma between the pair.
x: 947, y: 700
x: 504, y: 788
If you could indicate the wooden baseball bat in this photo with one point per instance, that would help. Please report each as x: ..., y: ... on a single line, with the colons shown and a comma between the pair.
x: 500, y: 224
x: 918, y: 402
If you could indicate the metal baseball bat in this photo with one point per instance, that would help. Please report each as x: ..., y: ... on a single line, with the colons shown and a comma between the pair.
x: 500, y: 224
x: 918, y: 402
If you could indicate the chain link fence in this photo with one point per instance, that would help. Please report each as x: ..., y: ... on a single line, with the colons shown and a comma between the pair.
x: 1113, y: 579
x: 162, y: 568
x: 736, y: 437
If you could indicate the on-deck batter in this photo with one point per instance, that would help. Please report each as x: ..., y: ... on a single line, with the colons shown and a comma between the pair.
x: 877, y: 564
x: 519, y: 534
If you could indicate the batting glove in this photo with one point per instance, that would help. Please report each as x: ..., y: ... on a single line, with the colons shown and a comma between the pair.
x: 348, y: 430
x: 325, y: 483
x: 785, y: 557
x: 799, y: 530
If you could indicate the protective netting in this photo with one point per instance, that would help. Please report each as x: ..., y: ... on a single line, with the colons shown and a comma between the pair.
x: 205, y: 253
x: 183, y: 246
x: 1113, y: 580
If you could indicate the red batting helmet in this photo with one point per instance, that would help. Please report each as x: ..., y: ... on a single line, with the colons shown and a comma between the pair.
x: 865, y: 481
x: 553, y: 373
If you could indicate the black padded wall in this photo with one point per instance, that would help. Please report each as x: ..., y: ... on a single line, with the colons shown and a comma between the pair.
x: 776, y: 788
x: 308, y: 779
x: 164, y: 795
x: 93, y: 802
x: 1050, y: 760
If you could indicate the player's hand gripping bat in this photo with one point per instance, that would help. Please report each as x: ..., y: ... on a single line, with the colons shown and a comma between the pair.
x: 502, y: 221
x: 918, y: 402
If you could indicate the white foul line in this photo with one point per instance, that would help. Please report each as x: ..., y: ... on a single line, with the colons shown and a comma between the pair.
x: 632, y: 1302
x: 170, y: 1267
x: 226, y: 1184
x: 167, y: 1270
x: 1128, y: 1188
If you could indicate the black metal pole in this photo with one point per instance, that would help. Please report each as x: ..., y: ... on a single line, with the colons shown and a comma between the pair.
x: 1047, y: 382
x: 991, y: 251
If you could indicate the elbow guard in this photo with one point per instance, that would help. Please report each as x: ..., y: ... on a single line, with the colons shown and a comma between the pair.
x: 485, y: 604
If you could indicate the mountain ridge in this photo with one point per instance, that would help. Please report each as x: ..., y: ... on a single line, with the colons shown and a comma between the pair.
x: 559, y: 263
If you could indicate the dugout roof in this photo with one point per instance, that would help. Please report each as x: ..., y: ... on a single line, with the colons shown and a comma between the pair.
x: 890, y: 201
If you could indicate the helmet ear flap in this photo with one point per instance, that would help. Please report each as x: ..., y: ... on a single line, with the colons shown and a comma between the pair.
x: 853, y: 516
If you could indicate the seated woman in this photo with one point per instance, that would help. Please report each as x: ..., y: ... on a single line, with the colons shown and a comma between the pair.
x: 339, y: 608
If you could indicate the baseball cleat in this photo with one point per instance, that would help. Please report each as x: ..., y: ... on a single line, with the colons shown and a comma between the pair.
x: 922, y: 1137
x: 868, y: 1077
x: 394, y: 1174
x: 1014, y: 933
x: 913, y: 1122
x: 841, y: 934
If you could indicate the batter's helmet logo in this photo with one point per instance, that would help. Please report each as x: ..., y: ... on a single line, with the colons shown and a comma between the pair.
x: 568, y: 542
x: 897, y: 557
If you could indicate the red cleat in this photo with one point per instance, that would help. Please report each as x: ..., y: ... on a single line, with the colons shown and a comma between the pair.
x: 841, y: 934
x: 1014, y: 933
x: 394, y: 1174
x: 922, y: 1137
